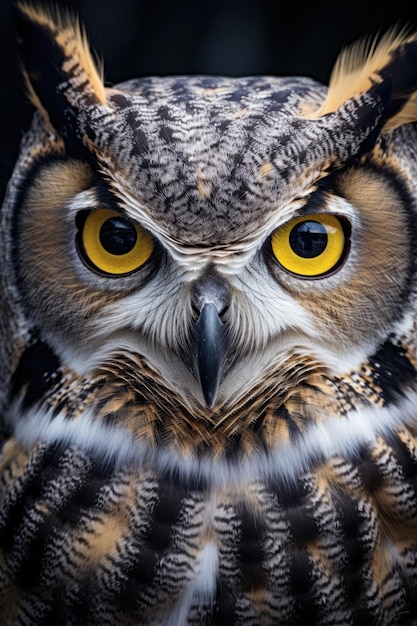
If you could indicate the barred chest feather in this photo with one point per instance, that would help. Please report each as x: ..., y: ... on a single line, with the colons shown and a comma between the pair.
x: 85, y: 542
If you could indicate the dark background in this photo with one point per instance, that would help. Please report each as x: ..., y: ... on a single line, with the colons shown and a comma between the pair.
x: 233, y: 37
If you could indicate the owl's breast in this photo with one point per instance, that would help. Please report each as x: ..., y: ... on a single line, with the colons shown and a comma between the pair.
x: 104, y: 542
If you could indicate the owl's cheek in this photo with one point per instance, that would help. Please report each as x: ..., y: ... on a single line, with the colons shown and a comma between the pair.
x: 365, y: 296
x: 56, y: 287
x: 46, y: 280
x: 361, y: 309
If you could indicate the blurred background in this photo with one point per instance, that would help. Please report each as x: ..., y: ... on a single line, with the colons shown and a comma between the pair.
x: 233, y: 37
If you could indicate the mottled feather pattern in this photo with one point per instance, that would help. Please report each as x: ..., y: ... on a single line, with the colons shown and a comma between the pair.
x: 199, y: 427
x: 328, y: 547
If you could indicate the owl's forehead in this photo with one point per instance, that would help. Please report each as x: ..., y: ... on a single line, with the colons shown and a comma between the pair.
x: 206, y: 152
x: 217, y: 96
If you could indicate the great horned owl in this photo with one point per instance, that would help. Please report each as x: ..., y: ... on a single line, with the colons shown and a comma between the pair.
x: 208, y: 347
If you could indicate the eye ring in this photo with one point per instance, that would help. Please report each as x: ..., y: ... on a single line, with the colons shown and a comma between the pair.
x: 312, y: 246
x: 113, y: 244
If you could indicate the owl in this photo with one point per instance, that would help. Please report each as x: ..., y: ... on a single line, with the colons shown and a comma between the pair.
x: 208, y: 360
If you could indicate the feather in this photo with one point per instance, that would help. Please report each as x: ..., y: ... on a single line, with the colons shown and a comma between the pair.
x: 367, y: 63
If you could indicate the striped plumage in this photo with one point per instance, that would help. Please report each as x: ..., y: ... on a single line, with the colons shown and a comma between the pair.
x: 91, y: 543
x: 208, y: 379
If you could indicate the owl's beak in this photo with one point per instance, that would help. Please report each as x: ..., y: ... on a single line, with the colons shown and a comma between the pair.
x: 210, y: 298
x: 210, y: 351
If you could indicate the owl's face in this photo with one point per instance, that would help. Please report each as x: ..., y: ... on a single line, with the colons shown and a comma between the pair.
x: 319, y: 275
x: 208, y: 246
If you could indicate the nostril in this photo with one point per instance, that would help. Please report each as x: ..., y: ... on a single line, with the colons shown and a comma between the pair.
x: 222, y: 314
x: 210, y: 289
x: 195, y: 312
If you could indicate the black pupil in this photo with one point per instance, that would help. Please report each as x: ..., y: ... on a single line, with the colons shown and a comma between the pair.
x: 308, y: 239
x: 118, y: 235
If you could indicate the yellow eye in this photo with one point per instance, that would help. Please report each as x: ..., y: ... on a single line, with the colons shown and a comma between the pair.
x: 114, y: 244
x: 311, y: 245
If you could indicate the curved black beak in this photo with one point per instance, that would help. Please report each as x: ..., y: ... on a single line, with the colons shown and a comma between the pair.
x: 211, y: 296
x: 210, y: 344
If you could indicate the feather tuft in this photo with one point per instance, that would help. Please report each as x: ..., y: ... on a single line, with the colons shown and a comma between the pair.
x: 369, y: 62
x: 71, y: 38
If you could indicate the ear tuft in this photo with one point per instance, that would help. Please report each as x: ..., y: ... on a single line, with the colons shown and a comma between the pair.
x: 57, y: 62
x: 390, y: 59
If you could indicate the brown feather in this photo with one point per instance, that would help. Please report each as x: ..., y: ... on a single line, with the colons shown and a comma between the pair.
x: 359, y: 67
x: 71, y: 37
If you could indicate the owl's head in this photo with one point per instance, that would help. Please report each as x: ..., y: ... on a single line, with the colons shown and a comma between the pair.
x: 209, y: 261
